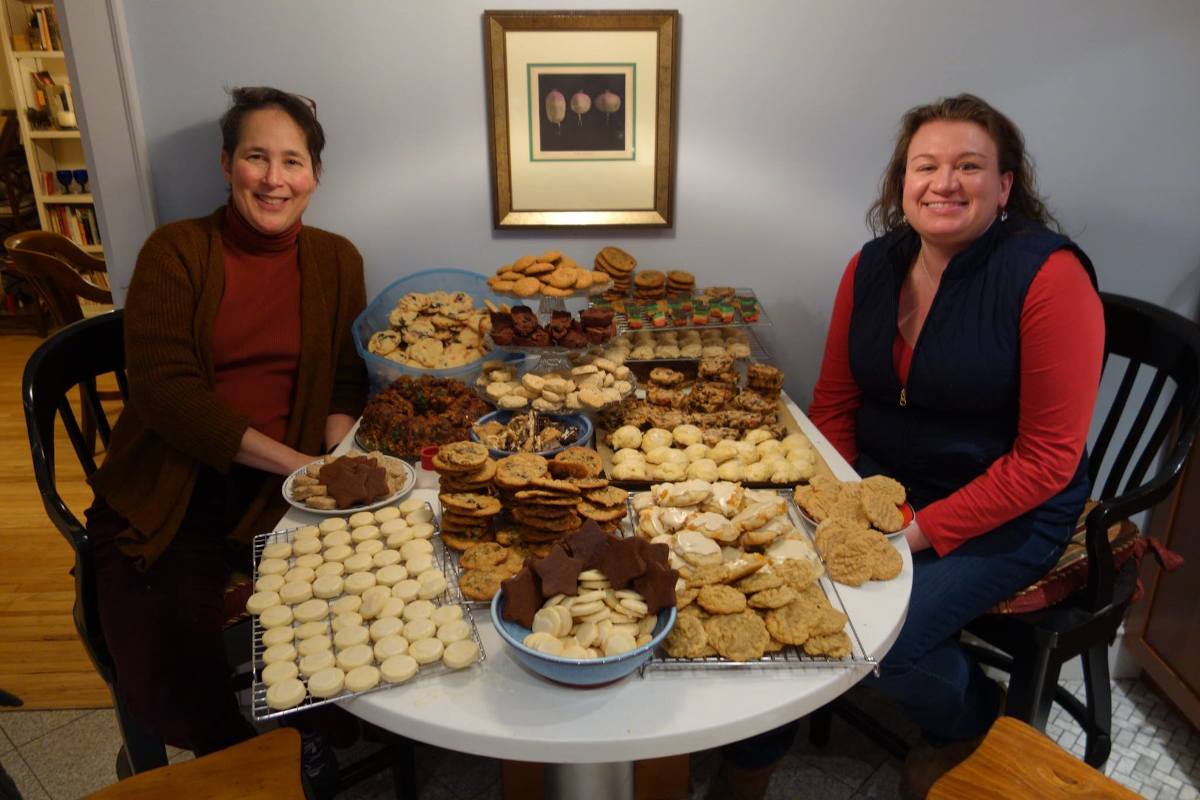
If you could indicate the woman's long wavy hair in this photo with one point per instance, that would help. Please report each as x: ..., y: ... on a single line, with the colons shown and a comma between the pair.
x: 887, y: 212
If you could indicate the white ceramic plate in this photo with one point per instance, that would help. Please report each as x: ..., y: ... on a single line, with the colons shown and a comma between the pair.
x: 406, y: 486
x: 906, y: 510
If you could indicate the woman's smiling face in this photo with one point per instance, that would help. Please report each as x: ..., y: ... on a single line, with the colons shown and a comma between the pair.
x: 953, y: 187
x: 270, y: 173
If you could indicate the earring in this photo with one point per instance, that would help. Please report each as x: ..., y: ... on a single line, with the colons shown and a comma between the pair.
x: 1003, y: 214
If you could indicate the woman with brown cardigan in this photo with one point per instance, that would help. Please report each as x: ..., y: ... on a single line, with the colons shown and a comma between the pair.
x: 241, y: 369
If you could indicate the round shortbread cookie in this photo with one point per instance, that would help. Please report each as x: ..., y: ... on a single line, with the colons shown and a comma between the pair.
x: 390, y: 646
x: 426, y: 651
x: 383, y: 628
x: 272, y: 566
x: 306, y: 547
x: 417, y: 629
x: 360, y: 679
x: 392, y: 526
x: 299, y: 574
x: 350, y: 636
x: 399, y: 668
x: 350, y: 602
x: 338, y: 553
x: 286, y: 694
x: 353, y: 657
x: 275, y: 616
x: 327, y: 682
x: 392, y: 607
x: 278, y: 636
x: 391, y: 574
x: 399, y: 538
x: 421, y: 516
x: 312, y: 610
x: 359, y: 582
x: 444, y: 614
x: 278, y: 671
x: 332, y: 524
x: 295, y: 592
x: 418, y: 609
x: 416, y: 547
x: 454, y: 631
x: 308, y: 630
x: 277, y: 550
x: 279, y: 652
x: 410, y: 505
x: 315, y: 662
x: 362, y: 518
x: 374, y: 600
x: 421, y: 562
x: 432, y: 583
x: 359, y: 562
x: 365, y: 534
x: 406, y: 590
x: 385, y: 558
x: 268, y: 583
x: 422, y: 531
x: 386, y: 514
x: 460, y: 654
x: 310, y: 561
x: 313, y: 644
x: 334, y: 568
x: 335, y: 539
x: 307, y: 532
x: 370, y: 547
x: 327, y: 587
x: 350, y: 619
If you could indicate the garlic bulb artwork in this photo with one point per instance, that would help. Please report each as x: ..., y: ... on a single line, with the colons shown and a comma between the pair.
x: 556, y: 108
x: 609, y: 103
x: 580, y: 105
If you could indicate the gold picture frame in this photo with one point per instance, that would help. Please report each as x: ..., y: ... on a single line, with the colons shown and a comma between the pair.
x: 582, y: 117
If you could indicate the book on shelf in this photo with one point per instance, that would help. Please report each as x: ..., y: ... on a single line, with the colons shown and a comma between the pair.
x: 44, y: 33
x: 77, y: 223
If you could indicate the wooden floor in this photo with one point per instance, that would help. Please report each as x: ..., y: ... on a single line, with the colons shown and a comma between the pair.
x: 41, y: 659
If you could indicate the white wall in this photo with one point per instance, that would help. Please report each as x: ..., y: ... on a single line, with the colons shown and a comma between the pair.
x: 786, y: 110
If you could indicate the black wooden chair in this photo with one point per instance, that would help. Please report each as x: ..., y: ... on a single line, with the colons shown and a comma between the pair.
x: 1135, y: 462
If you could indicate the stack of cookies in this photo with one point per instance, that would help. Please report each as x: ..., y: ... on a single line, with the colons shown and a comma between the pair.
x: 649, y: 284
x: 618, y: 265
x: 765, y: 379
x: 551, y: 274
x: 465, y: 490
x: 680, y: 282
x: 851, y: 517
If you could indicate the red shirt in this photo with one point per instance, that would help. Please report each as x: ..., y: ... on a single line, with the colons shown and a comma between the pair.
x: 1062, y: 346
x: 256, y: 337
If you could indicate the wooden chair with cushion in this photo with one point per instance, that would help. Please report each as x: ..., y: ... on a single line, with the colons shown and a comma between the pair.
x: 74, y: 358
x: 1153, y: 357
x: 266, y: 767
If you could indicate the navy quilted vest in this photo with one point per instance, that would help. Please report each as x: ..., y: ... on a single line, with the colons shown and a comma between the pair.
x: 958, y: 412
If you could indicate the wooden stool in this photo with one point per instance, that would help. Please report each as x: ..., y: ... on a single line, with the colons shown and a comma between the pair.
x: 266, y: 767
x: 1015, y: 761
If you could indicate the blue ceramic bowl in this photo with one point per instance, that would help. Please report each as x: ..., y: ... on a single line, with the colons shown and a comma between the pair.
x: 579, y: 420
x: 573, y: 671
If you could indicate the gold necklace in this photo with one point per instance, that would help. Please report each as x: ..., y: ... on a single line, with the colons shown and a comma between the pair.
x: 925, y: 266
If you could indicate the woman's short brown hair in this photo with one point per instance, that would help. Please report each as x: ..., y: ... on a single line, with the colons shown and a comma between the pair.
x: 302, y: 110
x: 887, y: 212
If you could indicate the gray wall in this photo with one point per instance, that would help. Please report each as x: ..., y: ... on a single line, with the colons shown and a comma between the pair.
x: 785, y: 114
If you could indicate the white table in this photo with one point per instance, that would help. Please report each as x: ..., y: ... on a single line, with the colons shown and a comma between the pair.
x: 590, y: 737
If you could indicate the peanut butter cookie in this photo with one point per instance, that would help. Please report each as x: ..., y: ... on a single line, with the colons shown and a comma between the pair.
x: 738, y: 637
x: 721, y: 599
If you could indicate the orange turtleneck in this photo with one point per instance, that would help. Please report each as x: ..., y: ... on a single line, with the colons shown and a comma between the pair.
x: 256, y: 338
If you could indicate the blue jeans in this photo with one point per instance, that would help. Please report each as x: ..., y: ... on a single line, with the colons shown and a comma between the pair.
x: 927, y: 671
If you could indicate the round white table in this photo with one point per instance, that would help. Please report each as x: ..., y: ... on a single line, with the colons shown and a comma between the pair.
x: 590, y: 737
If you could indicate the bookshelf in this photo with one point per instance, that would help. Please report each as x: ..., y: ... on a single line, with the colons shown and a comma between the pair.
x: 37, y: 67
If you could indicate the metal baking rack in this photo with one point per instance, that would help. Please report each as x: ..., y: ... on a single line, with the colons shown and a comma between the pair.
x: 791, y: 656
x: 452, y: 596
x: 623, y: 321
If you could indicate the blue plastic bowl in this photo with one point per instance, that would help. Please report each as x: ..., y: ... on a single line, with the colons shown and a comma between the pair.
x: 573, y: 671
x: 383, y: 371
x: 503, y: 416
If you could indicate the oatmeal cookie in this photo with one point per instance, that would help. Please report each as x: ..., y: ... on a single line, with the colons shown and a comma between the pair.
x: 721, y: 599
x: 687, y: 639
x: 790, y: 624
x: 833, y: 645
x: 772, y: 598
x: 738, y: 637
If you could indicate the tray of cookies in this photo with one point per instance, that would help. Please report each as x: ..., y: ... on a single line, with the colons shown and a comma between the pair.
x: 754, y: 590
x: 550, y: 274
x: 354, y: 605
x: 688, y: 345
x: 713, y: 307
x: 588, y: 383
x: 877, y: 502
x: 349, y: 483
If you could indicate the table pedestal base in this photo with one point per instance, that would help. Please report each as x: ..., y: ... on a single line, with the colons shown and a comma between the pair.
x: 605, y: 781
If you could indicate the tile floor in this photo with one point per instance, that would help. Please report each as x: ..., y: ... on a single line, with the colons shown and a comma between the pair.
x: 59, y: 755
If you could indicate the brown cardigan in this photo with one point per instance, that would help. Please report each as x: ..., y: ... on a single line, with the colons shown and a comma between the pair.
x: 174, y: 421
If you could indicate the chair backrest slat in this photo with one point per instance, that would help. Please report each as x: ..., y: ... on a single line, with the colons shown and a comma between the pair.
x: 1153, y: 448
x: 1112, y: 419
x: 91, y: 396
x: 75, y: 434
x: 1133, y: 436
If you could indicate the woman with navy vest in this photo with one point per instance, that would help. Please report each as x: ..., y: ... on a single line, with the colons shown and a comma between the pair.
x: 963, y: 359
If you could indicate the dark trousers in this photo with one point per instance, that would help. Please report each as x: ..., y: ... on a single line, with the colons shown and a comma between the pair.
x: 163, y: 627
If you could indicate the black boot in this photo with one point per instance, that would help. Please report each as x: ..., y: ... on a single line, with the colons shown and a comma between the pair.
x: 319, y: 765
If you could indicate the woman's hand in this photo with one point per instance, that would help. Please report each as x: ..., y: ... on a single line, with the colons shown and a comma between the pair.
x: 336, y: 428
x: 915, y: 537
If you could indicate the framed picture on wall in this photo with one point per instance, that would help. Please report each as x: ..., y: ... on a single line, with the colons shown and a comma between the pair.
x: 582, y: 117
